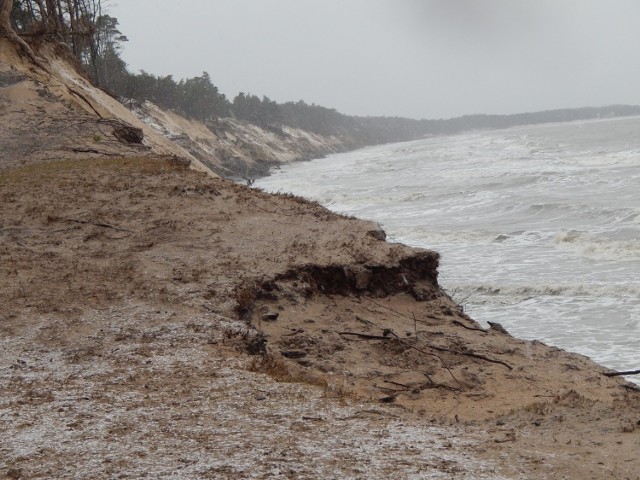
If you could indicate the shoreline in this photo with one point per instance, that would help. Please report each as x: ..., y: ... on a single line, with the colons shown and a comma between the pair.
x: 158, y: 320
x: 137, y: 304
x: 370, y: 198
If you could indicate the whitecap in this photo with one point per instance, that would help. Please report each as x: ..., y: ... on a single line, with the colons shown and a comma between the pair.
x: 598, y: 247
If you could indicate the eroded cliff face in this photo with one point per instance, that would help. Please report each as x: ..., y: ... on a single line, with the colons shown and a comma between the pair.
x: 237, y: 149
x: 139, y: 298
x: 55, y: 114
x: 128, y: 288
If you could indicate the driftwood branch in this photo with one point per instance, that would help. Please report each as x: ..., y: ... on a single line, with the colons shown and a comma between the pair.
x: 97, y: 152
x: 84, y: 99
x: 615, y: 374
x: 444, y: 364
x: 419, y: 320
x: 509, y: 437
x: 444, y: 386
x: 103, y: 225
x: 365, y: 336
x: 398, y: 384
x: 389, y: 334
x: 415, y: 388
x: 460, y: 324
x: 472, y: 355
x: 365, y: 321
x: 486, y: 359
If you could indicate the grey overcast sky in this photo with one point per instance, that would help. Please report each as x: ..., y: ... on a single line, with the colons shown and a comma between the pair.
x: 413, y: 58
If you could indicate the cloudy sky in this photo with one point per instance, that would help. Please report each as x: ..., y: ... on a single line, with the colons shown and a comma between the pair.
x: 413, y: 58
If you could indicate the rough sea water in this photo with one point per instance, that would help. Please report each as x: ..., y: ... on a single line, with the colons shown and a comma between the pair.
x: 538, y: 226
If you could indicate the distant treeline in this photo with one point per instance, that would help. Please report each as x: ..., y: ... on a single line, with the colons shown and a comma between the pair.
x: 96, y: 43
x: 476, y: 122
x: 200, y: 99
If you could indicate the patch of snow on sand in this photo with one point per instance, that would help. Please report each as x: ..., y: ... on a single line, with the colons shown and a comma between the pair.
x: 157, y: 394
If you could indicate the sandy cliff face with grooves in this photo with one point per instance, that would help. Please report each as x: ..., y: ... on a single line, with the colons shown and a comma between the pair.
x: 58, y: 114
x: 233, y: 148
x: 157, y: 321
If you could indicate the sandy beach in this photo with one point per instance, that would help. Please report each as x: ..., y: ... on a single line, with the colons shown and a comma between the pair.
x: 138, y: 295
x: 157, y: 321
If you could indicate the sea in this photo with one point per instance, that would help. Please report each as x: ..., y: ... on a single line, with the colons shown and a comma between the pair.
x: 538, y: 227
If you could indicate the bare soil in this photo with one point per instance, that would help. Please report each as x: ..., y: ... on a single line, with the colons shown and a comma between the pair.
x: 158, y: 322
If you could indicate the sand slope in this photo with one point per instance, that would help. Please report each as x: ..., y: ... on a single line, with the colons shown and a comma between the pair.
x: 57, y: 114
x: 233, y: 148
x: 131, y: 302
x: 157, y: 321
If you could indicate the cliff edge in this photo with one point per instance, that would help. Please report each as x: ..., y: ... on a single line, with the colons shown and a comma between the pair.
x: 157, y: 320
x: 56, y: 114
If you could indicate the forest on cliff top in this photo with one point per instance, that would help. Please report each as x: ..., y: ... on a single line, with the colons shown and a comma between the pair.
x: 96, y: 43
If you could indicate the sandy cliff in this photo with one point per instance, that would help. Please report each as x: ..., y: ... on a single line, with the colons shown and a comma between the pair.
x: 233, y: 148
x: 159, y: 321
x: 57, y: 114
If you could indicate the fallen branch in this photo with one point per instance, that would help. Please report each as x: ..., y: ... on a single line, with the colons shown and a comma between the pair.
x: 393, y: 390
x: 365, y: 335
x: 509, y: 437
x: 397, y: 384
x: 460, y: 324
x: 85, y: 100
x: 486, y: 359
x: 615, y: 374
x: 388, y: 334
x: 444, y: 364
x: 432, y: 384
x: 417, y: 388
x: 440, y: 349
x: 97, y: 152
x: 103, y: 225
x: 471, y: 354
x: 365, y: 321
x: 425, y: 322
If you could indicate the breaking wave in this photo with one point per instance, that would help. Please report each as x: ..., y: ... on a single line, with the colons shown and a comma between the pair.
x: 599, y: 248
x: 512, y: 294
x: 538, y: 227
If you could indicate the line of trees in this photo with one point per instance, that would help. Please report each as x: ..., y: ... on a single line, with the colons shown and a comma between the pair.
x: 95, y: 40
x: 195, y: 97
x: 73, y: 22
x: 199, y: 98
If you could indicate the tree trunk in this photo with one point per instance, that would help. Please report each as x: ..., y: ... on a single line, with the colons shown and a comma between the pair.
x: 72, y: 27
x: 7, y: 32
x: 5, y: 17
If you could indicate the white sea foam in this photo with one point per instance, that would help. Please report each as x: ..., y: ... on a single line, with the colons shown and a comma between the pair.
x: 494, y: 293
x: 599, y: 248
x: 539, y: 226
